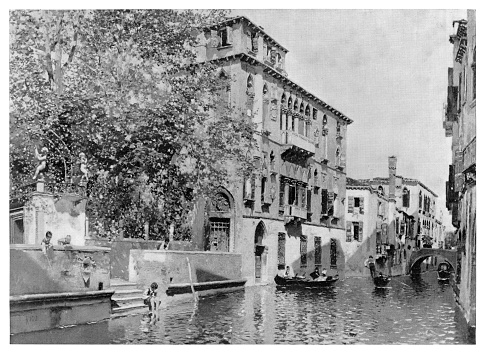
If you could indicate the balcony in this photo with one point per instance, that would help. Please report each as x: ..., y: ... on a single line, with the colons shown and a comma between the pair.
x: 448, y: 125
x: 295, y: 211
x: 296, y: 147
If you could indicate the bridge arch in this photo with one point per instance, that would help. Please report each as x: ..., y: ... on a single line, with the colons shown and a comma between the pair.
x: 418, y: 256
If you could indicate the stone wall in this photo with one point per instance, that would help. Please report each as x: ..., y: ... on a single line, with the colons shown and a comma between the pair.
x: 164, y: 267
x: 63, y: 269
x: 120, y: 252
x: 62, y: 216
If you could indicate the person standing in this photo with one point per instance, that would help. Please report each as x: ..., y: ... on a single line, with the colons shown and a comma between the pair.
x: 370, y: 264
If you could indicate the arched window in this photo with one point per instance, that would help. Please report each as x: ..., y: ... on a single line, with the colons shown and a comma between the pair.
x: 420, y: 199
x: 249, y: 85
x: 338, y: 156
x: 307, y: 110
x: 316, y: 178
x: 282, y: 105
x: 380, y: 189
x: 265, y: 89
x: 289, y: 103
x: 296, y: 105
x: 301, y: 107
x: 406, y: 197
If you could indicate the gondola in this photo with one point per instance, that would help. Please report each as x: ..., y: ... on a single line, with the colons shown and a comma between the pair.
x: 381, y: 281
x: 443, y: 272
x: 299, y: 283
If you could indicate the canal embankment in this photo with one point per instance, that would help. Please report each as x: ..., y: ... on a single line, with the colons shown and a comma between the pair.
x: 63, y: 286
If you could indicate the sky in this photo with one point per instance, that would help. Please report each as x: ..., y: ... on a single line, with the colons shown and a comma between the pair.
x: 384, y: 69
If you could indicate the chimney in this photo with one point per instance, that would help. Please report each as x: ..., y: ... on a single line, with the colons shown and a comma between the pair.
x: 392, y: 169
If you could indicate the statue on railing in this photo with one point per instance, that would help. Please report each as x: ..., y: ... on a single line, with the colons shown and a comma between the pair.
x: 42, y: 167
x: 83, y: 166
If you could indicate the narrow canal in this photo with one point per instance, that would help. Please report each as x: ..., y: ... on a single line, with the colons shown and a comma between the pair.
x: 352, y: 312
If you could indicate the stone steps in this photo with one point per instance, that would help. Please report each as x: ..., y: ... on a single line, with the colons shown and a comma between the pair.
x: 127, y: 299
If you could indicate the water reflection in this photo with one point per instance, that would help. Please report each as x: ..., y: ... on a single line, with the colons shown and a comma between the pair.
x: 411, y: 311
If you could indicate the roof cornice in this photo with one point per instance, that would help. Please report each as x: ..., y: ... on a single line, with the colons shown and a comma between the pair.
x: 253, y: 26
x: 274, y: 73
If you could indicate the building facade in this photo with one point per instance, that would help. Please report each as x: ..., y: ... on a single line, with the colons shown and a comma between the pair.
x: 460, y: 124
x: 366, y: 226
x: 389, y: 218
x: 291, y: 210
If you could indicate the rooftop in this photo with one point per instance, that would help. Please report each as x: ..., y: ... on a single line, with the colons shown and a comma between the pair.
x: 253, y: 26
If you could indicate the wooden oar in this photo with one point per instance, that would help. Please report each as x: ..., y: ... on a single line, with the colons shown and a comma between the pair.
x: 194, y: 293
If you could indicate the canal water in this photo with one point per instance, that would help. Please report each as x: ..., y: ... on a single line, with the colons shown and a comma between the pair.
x: 418, y: 311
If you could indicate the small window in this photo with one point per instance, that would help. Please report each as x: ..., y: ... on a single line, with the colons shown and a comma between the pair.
x: 356, y: 202
x: 356, y: 231
x: 224, y: 36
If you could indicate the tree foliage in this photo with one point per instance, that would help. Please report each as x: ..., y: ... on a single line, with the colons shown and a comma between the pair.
x: 125, y: 88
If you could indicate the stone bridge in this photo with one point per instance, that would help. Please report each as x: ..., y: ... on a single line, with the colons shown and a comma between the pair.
x: 418, y: 256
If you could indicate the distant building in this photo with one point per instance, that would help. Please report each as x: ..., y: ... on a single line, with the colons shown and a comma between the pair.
x: 396, y: 214
x: 366, y: 225
x: 291, y: 210
x: 460, y: 124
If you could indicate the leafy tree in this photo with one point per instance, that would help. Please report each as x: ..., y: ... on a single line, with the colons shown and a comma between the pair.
x: 125, y: 88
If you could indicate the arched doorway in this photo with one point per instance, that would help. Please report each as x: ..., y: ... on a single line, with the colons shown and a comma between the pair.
x: 260, y: 252
x: 219, y: 223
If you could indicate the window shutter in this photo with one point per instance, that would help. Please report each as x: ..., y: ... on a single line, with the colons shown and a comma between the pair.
x: 361, y: 205
x: 229, y: 35
x: 360, y: 232
x: 350, y: 204
x: 349, y: 231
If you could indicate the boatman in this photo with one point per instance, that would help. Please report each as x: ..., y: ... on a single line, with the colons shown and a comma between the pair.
x: 370, y: 264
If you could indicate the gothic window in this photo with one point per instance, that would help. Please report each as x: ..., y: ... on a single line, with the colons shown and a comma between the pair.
x: 314, y: 113
x: 316, y: 137
x: 266, y: 104
x: 338, y: 156
x: 324, y: 125
x: 289, y: 102
x: 307, y: 110
x: 263, y: 189
x: 296, y: 104
x: 324, y: 202
x: 249, y: 84
x: 301, y: 107
x: 406, y: 197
